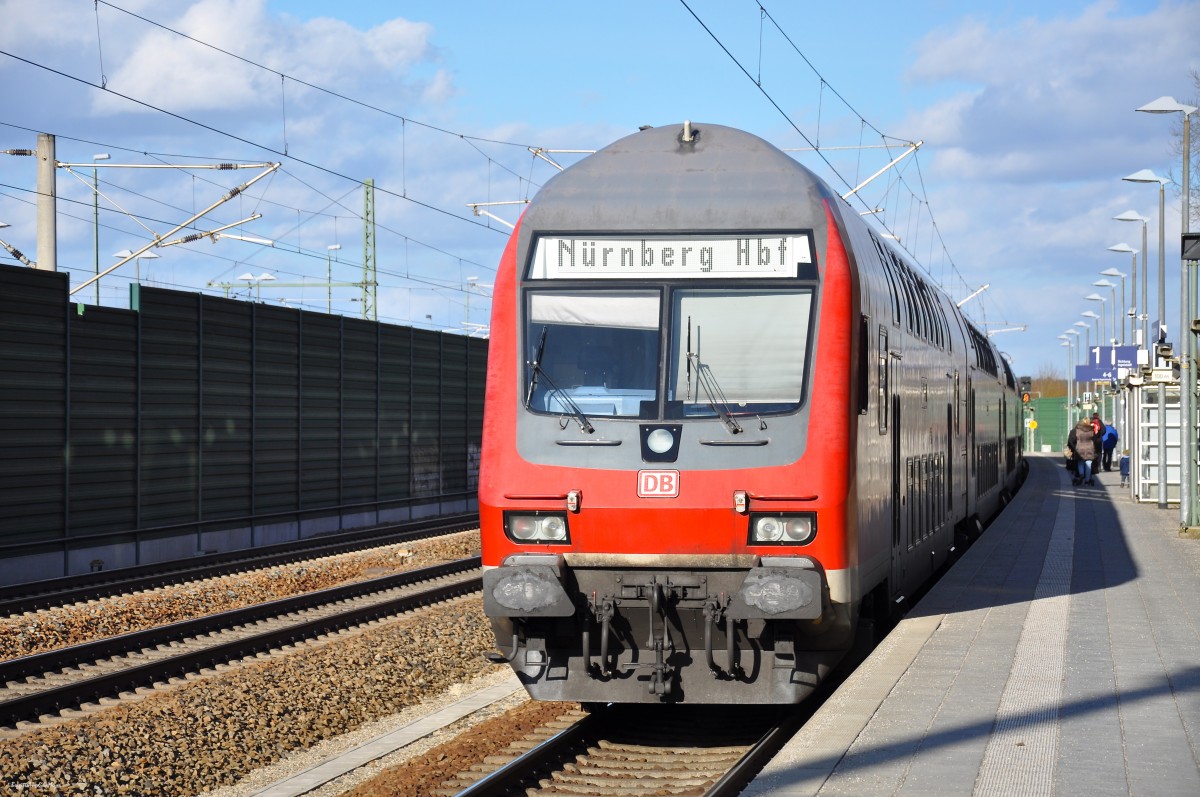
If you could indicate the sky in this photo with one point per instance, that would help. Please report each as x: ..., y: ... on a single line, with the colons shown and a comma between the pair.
x: 1025, y: 112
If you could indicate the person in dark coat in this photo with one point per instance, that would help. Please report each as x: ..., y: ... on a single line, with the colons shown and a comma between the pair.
x: 1081, y: 441
x: 1108, y: 443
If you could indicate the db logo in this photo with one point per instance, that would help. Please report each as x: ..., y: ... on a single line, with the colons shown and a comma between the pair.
x: 658, y: 483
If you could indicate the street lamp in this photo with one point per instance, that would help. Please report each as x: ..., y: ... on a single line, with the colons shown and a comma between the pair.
x: 137, y: 261
x: 1125, y: 309
x: 470, y: 284
x: 1132, y: 215
x: 1070, y: 338
x: 257, y: 281
x: 1112, y: 286
x: 1187, y: 311
x: 101, y: 156
x: 329, y: 250
x: 1147, y: 176
x: 1066, y: 341
x: 1170, y: 105
x: 1101, y: 339
x: 1097, y: 319
x: 1087, y: 339
x: 1087, y: 346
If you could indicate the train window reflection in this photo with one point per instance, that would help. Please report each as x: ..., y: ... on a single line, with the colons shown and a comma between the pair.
x: 596, y: 352
x: 736, y: 351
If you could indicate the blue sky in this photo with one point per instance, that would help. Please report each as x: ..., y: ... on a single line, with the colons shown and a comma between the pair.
x: 1025, y: 110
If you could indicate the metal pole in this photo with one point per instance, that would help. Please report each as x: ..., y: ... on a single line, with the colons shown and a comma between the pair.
x: 1187, y: 432
x: 1162, y: 317
x: 96, y: 224
x: 1145, y: 295
x: 1124, y: 310
x: 47, y: 232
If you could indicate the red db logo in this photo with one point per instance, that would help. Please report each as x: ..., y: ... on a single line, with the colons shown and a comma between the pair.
x: 658, y: 483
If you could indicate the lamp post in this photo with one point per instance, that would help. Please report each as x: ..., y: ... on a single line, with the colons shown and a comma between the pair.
x: 1069, y: 342
x: 1147, y: 176
x: 1087, y: 335
x: 1112, y: 286
x: 1125, y: 309
x: 137, y: 262
x: 1136, y: 333
x: 470, y: 285
x: 329, y: 250
x: 1087, y: 348
x: 1132, y: 215
x: 1097, y: 319
x: 1101, y: 338
x: 101, y: 156
x: 1066, y: 341
x: 257, y: 282
x: 1187, y: 311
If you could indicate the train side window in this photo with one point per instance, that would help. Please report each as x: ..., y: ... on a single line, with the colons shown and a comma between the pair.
x: 882, y: 404
x: 891, y: 279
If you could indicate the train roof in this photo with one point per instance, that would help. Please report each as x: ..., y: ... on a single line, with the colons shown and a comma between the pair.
x: 659, y: 180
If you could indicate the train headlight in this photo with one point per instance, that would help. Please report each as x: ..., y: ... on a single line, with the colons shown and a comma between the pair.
x: 536, y: 527
x: 782, y: 528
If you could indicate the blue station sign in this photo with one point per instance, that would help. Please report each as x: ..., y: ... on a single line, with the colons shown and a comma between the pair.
x: 1104, y: 362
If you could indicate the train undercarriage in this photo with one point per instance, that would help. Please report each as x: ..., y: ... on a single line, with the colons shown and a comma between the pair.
x: 761, y: 634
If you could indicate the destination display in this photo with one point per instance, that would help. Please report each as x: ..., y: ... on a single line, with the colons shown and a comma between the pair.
x: 649, y: 257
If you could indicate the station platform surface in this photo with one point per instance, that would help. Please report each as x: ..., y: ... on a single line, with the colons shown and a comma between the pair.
x: 1059, y: 656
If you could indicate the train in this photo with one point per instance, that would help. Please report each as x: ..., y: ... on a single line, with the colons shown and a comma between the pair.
x: 726, y: 421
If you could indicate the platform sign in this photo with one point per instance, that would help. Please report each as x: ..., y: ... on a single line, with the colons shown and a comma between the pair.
x: 1105, y: 361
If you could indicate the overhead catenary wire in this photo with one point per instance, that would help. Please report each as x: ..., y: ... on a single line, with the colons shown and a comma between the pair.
x: 919, y: 196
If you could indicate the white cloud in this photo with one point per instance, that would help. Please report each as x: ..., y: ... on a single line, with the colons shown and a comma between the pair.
x: 1060, y: 91
x: 187, y: 77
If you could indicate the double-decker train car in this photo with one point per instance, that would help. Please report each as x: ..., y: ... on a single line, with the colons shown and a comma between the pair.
x: 724, y: 419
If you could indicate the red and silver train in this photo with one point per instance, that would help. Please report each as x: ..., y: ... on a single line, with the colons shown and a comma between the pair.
x: 724, y: 419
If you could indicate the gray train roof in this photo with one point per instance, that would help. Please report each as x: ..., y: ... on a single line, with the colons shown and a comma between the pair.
x: 725, y: 179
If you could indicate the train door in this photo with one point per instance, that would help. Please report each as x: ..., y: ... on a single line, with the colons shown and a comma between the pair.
x: 951, y: 443
x: 969, y: 449
x: 898, y: 492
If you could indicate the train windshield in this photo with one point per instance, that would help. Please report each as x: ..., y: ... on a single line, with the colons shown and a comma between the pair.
x: 737, y: 352
x: 596, y: 353
x: 593, y: 353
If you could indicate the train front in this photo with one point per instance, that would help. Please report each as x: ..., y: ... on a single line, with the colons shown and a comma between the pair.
x: 664, y: 493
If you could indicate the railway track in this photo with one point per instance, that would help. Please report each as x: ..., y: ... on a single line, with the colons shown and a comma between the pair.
x: 703, y: 750
x: 19, y: 598
x: 48, y: 683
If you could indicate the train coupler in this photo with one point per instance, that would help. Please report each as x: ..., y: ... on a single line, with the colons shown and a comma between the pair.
x: 660, y: 675
x: 604, y: 610
x: 713, y: 612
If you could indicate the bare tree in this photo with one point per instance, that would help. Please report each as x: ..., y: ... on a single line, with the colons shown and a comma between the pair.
x: 1048, y: 382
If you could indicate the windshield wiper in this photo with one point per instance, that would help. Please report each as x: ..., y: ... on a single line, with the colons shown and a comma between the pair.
x: 712, y: 391
x: 708, y: 383
x: 536, y: 370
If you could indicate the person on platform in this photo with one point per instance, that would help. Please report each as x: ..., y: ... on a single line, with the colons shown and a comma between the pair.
x: 1125, y: 468
x: 1108, y: 443
x: 1097, y: 438
x: 1081, y: 441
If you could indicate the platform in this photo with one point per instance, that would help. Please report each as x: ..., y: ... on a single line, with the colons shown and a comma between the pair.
x: 1059, y: 656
